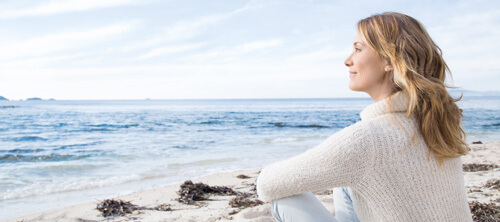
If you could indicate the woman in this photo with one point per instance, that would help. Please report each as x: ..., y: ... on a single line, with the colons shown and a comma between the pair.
x: 401, y: 162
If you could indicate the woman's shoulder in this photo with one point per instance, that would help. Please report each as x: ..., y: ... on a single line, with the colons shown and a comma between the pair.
x: 359, y: 133
x: 383, y: 121
x: 388, y: 125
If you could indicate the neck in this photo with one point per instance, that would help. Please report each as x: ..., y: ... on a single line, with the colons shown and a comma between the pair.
x: 380, y: 94
x: 382, y: 91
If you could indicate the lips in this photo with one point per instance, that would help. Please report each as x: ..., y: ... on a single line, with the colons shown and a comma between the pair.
x: 352, y: 73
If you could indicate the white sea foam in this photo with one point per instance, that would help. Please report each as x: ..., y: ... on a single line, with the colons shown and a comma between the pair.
x: 50, y: 187
x: 201, y: 162
x: 286, y: 139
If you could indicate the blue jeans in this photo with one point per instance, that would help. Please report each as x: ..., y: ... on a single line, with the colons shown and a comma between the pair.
x: 306, y: 207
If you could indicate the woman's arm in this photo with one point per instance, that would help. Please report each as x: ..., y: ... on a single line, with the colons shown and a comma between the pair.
x: 341, y: 160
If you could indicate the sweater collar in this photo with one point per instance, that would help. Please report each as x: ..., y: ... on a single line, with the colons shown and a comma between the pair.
x: 399, y: 103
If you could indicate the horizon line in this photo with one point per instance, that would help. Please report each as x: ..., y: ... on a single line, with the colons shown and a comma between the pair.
x: 147, y: 99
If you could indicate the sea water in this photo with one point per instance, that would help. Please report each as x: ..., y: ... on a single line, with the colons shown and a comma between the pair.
x: 59, y: 153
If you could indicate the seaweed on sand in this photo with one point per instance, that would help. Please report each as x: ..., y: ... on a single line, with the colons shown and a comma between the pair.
x: 482, y: 212
x: 113, y: 208
x: 474, y: 167
x: 243, y: 176
x: 191, y: 192
x: 244, y: 202
x: 493, y: 184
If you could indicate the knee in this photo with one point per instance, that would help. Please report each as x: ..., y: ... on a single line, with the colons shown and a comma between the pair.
x: 281, y: 206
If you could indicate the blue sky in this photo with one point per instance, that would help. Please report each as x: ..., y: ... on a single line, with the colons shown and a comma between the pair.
x: 173, y: 49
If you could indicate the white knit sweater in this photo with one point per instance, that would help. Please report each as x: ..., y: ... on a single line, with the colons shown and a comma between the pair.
x: 385, y: 161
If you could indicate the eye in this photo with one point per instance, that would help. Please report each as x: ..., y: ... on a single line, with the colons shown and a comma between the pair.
x: 357, y: 49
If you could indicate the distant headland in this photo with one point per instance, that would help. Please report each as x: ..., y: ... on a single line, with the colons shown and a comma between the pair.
x: 28, y: 99
x: 34, y: 99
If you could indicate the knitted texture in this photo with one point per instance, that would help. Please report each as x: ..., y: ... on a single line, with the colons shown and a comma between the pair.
x: 385, y: 161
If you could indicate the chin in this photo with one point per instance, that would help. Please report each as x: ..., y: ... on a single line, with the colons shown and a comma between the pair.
x: 354, y: 88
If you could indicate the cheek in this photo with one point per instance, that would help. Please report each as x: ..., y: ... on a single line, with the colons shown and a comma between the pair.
x: 373, y: 69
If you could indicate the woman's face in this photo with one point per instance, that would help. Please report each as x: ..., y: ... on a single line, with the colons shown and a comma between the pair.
x: 367, y: 70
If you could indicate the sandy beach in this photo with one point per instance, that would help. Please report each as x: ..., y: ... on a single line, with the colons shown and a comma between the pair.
x: 481, y: 172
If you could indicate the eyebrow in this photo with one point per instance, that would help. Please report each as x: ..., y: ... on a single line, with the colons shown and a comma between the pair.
x: 359, y: 43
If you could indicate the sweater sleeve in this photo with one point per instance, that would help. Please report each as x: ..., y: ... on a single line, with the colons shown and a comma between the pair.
x: 341, y: 160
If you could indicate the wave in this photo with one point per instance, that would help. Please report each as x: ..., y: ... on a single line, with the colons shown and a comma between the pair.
x: 211, y: 122
x: 493, y: 125
x: 93, y: 130
x: 317, y: 126
x: 288, y: 139
x: 64, y: 147
x: 39, y: 189
x: 291, y: 139
x: 104, y: 127
x: 114, y: 125
x: 29, y: 139
x: 184, y: 147
x: 8, y: 107
x: 15, y: 158
x: 25, y: 150
x: 61, y: 124
x: 202, y: 162
x: 312, y: 126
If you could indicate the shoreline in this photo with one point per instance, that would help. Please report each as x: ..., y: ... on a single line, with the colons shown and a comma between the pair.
x: 477, y: 182
x: 214, y: 210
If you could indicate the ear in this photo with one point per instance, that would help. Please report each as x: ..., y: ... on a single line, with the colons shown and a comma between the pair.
x: 388, y: 68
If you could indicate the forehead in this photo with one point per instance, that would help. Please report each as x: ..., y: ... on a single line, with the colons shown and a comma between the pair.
x: 359, y: 39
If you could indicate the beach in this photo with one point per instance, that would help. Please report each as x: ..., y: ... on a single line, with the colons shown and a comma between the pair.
x: 217, y: 209
x: 481, y: 176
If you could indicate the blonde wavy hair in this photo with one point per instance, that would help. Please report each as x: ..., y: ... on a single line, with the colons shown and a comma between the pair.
x: 419, y: 71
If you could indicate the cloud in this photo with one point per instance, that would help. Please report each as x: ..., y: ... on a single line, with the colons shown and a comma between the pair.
x: 62, y: 41
x: 253, y: 46
x: 479, y: 30
x: 184, y: 30
x: 327, y: 54
x: 170, y: 50
x: 62, y: 6
x: 41, y: 61
x: 470, y: 44
x: 231, y: 54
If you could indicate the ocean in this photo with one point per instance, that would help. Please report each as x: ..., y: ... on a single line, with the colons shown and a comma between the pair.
x: 59, y: 153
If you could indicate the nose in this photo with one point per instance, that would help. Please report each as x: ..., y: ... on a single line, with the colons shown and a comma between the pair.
x: 348, y: 61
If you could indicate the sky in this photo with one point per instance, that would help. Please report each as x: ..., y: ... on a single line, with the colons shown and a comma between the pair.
x: 220, y: 49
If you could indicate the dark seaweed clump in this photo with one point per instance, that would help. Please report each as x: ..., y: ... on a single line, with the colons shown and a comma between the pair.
x: 242, y: 176
x: 111, y: 208
x: 474, y: 167
x: 244, y: 202
x: 493, y: 184
x: 191, y: 192
x: 482, y: 212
